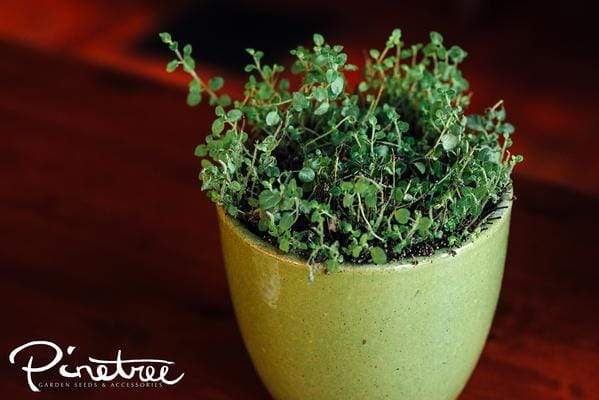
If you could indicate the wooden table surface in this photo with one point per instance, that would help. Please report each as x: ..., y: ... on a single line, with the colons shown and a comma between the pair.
x: 107, y: 242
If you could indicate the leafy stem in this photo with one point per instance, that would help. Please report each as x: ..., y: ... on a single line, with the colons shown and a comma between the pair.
x: 393, y: 170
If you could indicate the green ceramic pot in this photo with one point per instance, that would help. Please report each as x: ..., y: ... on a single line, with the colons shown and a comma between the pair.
x: 398, y: 331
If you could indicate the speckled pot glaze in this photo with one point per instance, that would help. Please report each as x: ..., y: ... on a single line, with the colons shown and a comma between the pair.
x: 398, y: 331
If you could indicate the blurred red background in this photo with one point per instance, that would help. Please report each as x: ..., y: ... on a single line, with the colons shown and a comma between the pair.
x: 537, y: 56
x: 107, y: 241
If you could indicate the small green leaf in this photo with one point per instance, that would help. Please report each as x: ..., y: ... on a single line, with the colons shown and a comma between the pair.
x: 457, y: 54
x: 318, y: 39
x: 201, y: 150
x: 194, y: 98
x: 189, y: 63
x: 269, y: 199
x: 320, y: 94
x: 449, y: 141
x: 172, y: 66
x: 234, y: 115
x: 194, y: 86
x: 436, y: 38
x: 284, y: 244
x: 322, y: 108
x: 332, y: 265
x: 272, y: 118
x: 216, y: 83
x: 165, y: 37
x: 235, y: 186
x: 361, y: 186
x: 378, y: 255
x: 381, y: 150
x: 424, y: 224
x: 403, y: 127
x: 402, y: 215
x: 475, y: 122
x: 506, y: 129
x: 287, y: 220
x: 500, y: 114
x: 348, y: 200
x: 284, y: 84
x: 306, y: 174
x: 224, y: 100
x: 299, y: 101
x: 187, y: 50
x: 420, y: 167
x: 395, y: 37
x: 330, y: 75
x: 217, y: 126
x: 337, y: 86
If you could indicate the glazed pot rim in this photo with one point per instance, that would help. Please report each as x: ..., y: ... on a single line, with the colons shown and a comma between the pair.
x: 497, y: 218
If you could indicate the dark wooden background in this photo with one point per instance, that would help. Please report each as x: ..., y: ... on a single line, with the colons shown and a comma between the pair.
x: 107, y: 242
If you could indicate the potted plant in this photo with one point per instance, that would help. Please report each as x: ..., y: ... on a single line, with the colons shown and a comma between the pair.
x: 364, y: 227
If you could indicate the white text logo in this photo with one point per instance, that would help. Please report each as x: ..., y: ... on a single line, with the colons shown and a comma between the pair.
x: 144, y: 370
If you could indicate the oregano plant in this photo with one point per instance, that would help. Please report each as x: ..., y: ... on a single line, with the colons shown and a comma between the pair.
x: 390, y: 169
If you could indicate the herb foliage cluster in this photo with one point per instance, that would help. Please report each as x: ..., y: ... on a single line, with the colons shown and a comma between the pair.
x: 391, y: 169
